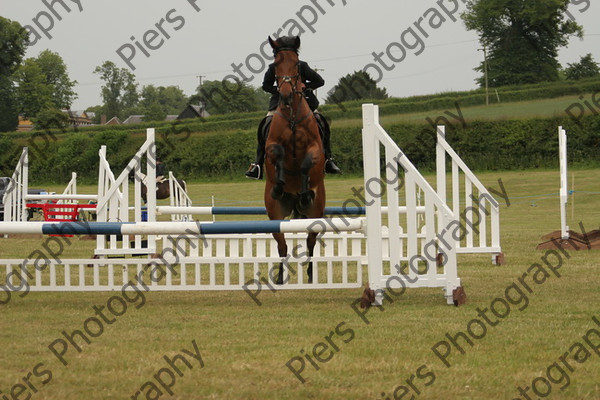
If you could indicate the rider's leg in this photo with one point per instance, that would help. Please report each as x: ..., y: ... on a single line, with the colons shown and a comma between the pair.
x: 330, y: 166
x: 255, y: 171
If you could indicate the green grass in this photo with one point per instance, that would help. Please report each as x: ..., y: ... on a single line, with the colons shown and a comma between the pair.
x: 245, y: 347
x: 542, y: 108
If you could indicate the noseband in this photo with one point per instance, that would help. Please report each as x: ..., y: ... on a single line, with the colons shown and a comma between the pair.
x: 291, y: 79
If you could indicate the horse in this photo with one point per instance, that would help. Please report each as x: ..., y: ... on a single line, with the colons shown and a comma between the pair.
x: 295, y: 161
x: 163, y: 190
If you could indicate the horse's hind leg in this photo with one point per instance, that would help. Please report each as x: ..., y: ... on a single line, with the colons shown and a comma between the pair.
x: 307, y: 196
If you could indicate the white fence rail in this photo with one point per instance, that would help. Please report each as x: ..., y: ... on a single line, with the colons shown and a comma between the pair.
x: 471, y: 202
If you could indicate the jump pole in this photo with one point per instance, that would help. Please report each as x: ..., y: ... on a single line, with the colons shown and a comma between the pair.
x: 199, y: 210
x: 183, y: 228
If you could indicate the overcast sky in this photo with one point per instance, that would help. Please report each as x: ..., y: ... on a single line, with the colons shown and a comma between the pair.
x: 201, y: 37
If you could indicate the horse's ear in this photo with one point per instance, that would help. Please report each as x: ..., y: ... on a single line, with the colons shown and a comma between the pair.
x: 272, y: 43
x: 297, y: 42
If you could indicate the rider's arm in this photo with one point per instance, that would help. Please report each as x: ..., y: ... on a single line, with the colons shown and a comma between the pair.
x: 312, y: 79
x: 269, y: 80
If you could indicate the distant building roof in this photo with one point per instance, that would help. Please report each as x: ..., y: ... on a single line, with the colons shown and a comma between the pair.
x: 114, y: 121
x: 171, y: 117
x: 134, y: 119
x: 78, y: 118
x: 194, y: 111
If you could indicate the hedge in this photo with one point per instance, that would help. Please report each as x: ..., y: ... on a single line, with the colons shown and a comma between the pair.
x: 484, y: 145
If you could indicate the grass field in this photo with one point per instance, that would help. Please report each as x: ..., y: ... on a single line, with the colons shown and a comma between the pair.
x: 540, y: 108
x: 244, y: 348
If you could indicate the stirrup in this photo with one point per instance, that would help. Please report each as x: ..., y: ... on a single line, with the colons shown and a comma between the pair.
x: 254, y: 171
x: 331, y: 168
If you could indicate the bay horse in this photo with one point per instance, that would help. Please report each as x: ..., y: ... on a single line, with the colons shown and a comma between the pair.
x: 295, y: 161
x: 163, y: 190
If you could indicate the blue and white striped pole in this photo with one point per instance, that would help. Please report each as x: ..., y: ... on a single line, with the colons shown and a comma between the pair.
x: 193, y: 210
x: 182, y: 228
x: 247, y: 210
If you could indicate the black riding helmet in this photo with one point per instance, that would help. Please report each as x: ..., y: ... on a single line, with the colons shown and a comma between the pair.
x: 287, y: 43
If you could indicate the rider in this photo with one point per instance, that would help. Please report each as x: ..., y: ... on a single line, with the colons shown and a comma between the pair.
x: 160, y: 170
x: 312, y: 80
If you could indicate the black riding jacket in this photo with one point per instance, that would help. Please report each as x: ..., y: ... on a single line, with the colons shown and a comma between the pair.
x: 311, y: 79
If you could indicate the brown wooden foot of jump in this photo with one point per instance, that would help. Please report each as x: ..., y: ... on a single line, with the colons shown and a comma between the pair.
x: 459, y: 296
x: 368, y: 297
x: 499, y: 259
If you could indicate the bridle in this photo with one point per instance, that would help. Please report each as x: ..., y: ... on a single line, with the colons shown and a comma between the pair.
x: 293, y: 81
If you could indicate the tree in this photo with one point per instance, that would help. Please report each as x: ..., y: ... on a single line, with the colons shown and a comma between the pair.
x: 97, y: 110
x: 9, y: 114
x: 585, y: 68
x: 43, y: 83
x: 14, y: 40
x: 154, y: 113
x: 355, y: 86
x: 53, y: 66
x: 119, y: 91
x: 33, y: 92
x: 522, y: 38
x: 170, y: 99
x: 221, y: 97
x: 52, y: 118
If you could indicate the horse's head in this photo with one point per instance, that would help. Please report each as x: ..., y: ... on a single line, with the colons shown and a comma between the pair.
x: 287, y: 67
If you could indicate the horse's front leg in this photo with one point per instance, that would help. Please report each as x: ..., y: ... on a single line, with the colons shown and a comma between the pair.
x: 311, y: 240
x: 307, y: 196
x: 282, y: 250
x: 277, y: 155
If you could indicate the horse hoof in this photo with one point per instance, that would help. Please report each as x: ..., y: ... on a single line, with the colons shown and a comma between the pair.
x: 277, y: 192
x: 306, y: 201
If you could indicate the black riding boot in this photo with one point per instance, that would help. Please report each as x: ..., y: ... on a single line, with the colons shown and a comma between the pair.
x: 330, y: 167
x: 255, y: 171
